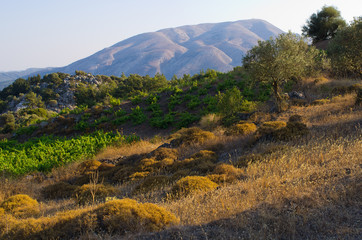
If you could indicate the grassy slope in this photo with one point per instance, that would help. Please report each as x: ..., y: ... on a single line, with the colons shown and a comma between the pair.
x: 305, y: 188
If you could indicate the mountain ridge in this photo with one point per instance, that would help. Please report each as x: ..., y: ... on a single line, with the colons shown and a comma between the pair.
x: 181, y: 50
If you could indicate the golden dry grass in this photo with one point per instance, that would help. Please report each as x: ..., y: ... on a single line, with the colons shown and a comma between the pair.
x: 127, y: 150
x: 305, y: 178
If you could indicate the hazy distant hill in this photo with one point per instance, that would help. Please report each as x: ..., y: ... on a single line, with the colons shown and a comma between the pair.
x: 6, y: 78
x: 181, y: 50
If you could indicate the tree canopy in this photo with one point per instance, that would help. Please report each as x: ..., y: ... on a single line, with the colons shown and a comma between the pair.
x: 323, y: 24
x: 345, y: 50
x: 278, y: 60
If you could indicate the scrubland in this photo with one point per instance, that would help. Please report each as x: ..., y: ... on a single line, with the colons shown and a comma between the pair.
x: 290, y: 175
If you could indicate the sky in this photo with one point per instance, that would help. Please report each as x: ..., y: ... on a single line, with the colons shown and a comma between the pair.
x: 55, y: 33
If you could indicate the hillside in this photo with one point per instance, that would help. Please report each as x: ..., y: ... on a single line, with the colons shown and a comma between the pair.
x: 174, y: 51
x: 268, y: 150
x: 182, y: 50
x: 287, y: 175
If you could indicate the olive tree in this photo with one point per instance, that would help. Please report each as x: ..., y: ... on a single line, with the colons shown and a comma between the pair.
x: 345, y: 50
x: 278, y: 60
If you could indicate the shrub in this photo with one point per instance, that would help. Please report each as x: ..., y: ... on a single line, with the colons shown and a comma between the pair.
x: 162, y: 153
x: 194, y: 103
x: 188, y: 136
x: 91, y: 193
x: 21, y: 205
x: 81, y: 126
x: 291, y: 131
x: 126, y: 215
x: 120, y: 113
x: 270, y: 127
x: 185, y: 119
x: 89, y: 166
x: 137, y: 116
x: 227, y: 169
x: 58, y: 190
x: 151, y: 183
x: 116, y: 216
x: 241, y: 129
x: 225, y: 173
x: 192, y: 184
x: 138, y: 175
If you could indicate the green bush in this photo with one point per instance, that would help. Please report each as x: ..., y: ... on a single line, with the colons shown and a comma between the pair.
x: 81, y: 126
x: 137, y: 116
x: 186, y: 119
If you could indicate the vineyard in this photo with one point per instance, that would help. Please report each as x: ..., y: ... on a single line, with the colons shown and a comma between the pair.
x: 44, y: 153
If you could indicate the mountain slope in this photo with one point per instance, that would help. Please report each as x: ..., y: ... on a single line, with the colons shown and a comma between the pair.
x: 181, y: 50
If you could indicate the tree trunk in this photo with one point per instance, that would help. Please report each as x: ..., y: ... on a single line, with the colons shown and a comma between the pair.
x: 278, y: 98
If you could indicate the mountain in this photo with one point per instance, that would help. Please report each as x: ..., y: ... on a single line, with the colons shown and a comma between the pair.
x: 181, y: 50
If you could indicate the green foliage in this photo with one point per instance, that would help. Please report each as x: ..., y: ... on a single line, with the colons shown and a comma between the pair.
x: 185, y: 119
x: 137, y: 116
x: 86, y: 95
x: 53, y: 79
x: 20, y: 85
x: 120, y: 113
x: 45, y: 153
x: 231, y: 102
x: 7, y: 121
x: 100, y: 120
x: 323, y: 24
x: 33, y: 100
x: 81, y: 125
x: 162, y: 121
x: 278, y: 60
x: 26, y: 130
x: 174, y: 100
x: 226, y: 84
x: 194, y: 102
x: 345, y: 51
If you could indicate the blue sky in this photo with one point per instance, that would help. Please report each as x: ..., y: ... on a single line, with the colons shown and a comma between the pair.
x: 55, y: 33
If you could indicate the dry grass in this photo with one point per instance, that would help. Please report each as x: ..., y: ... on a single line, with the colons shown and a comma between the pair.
x: 302, y: 188
x: 127, y: 150
x: 339, y: 109
x: 305, y: 178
